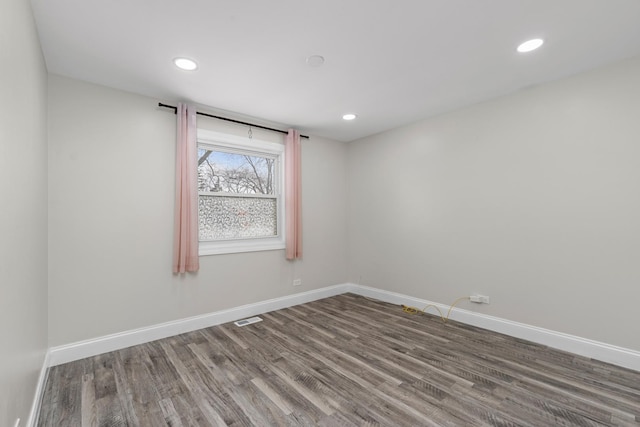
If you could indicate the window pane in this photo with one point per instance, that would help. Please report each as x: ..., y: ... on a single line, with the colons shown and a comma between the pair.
x: 235, y: 173
x: 223, y: 217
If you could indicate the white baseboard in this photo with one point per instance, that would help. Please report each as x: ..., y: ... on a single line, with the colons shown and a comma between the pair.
x: 584, y: 347
x: 80, y: 350
x: 37, y: 398
x: 593, y: 349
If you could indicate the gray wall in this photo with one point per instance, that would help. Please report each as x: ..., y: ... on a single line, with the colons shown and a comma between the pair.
x: 532, y: 199
x: 111, y: 192
x: 23, y: 212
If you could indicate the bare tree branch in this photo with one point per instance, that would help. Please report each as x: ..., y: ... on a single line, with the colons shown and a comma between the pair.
x: 204, y: 157
x: 255, y: 171
x: 255, y: 176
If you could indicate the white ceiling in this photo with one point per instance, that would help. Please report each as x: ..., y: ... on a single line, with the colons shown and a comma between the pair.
x: 390, y: 62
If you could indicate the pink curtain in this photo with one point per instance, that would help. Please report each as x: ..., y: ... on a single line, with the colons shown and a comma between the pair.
x: 293, y: 195
x: 185, y: 235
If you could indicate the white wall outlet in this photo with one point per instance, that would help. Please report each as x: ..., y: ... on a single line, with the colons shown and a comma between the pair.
x: 480, y: 299
x: 297, y: 282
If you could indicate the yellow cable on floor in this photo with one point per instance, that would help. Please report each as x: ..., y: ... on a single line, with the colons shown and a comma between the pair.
x: 413, y: 310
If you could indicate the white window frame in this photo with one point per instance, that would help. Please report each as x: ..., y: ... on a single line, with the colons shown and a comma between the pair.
x: 224, y: 142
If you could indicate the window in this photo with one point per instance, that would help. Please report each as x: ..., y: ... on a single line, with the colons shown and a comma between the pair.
x: 240, y: 197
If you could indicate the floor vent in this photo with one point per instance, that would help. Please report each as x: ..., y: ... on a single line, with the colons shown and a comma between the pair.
x: 245, y: 322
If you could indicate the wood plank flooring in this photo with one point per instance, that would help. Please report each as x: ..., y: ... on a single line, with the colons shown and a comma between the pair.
x: 341, y: 361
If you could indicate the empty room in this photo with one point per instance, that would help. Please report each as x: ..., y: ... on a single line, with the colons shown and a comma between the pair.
x: 331, y: 213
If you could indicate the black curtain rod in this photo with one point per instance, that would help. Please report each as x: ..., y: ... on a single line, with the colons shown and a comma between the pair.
x: 175, y: 111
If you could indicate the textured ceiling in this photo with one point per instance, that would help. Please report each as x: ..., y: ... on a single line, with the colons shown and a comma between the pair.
x: 390, y: 62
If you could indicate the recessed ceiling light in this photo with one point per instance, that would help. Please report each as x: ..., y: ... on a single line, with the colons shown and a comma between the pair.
x: 185, y: 64
x: 530, y: 45
x: 315, y: 60
x: 349, y: 116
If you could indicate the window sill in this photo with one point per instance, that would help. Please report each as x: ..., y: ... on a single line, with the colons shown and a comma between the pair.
x: 239, y: 246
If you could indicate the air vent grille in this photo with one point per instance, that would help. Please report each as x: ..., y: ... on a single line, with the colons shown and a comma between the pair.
x: 249, y: 321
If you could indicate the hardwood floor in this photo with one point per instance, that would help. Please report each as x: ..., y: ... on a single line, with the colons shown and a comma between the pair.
x: 341, y: 361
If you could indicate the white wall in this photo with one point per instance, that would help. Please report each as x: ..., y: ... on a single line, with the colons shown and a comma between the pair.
x: 111, y: 188
x: 532, y: 199
x: 23, y: 215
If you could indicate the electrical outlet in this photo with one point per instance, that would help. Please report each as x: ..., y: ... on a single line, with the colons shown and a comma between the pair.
x: 297, y: 282
x: 480, y: 299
